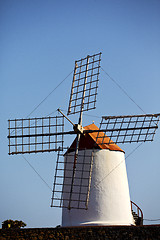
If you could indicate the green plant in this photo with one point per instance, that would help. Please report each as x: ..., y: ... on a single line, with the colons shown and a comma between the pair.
x: 12, y: 224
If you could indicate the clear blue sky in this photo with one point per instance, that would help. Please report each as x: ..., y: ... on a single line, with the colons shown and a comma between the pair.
x: 39, y: 42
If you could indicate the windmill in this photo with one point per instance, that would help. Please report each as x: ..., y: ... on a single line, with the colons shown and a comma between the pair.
x: 80, y: 186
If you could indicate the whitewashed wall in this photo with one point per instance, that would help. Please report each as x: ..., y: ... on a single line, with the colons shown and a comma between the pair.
x: 109, y: 201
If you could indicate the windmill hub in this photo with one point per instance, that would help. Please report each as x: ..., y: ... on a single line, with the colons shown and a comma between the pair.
x: 78, y: 128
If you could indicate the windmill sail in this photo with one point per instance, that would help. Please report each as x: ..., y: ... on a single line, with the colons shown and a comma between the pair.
x: 63, y: 180
x: 128, y: 129
x: 85, y: 84
x: 35, y: 135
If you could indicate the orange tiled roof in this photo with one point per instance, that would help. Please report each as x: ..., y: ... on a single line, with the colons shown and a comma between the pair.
x: 112, y: 146
x: 88, y: 141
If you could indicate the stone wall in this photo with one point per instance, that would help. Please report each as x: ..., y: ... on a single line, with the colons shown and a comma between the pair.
x: 85, y: 233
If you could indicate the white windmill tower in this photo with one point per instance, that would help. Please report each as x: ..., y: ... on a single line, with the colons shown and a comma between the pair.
x: 80, y: 184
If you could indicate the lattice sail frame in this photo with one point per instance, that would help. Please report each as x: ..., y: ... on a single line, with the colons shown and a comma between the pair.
x: 128, y: 129
x: 35, y: 135
x: 85, y: 84
x: 82, y: 181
